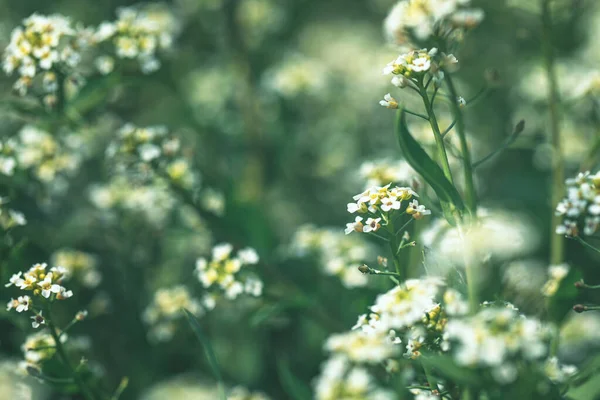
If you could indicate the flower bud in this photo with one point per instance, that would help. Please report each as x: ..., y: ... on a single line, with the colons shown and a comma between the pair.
x: 364, y: 269
x: 579, y: 308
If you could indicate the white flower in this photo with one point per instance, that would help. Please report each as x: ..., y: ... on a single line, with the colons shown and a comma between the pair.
x: 416, y: 210
x: 355, y: 226
x: 48, y: 286
x: 389, y: 102
x: 390, y: 203
x: 221, y: 251
x: 37, y: 320
x: 372, y: 225
x: 21, y: 304
x: 253, y: 287
x: 14, y: 279
x: 248, y: 256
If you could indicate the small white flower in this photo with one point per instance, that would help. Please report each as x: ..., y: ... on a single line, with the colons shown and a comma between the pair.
x: 14, y: 279
x: 38, y: 320
x: 356, y: 226
x: 21, y: 304
x: 389, y: 102
x: 416, y: 210
x: 221, y: 251
x: 248, y: 256
x: 48, y: 287
x: 372, y: 225
x: 390, y: 203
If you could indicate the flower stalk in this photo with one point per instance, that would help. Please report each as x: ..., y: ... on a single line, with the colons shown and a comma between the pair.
x: 558, y: 173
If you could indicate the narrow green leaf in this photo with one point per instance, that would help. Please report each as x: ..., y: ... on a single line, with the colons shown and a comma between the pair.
x: 208, y: 351
x: 293, y: 386
x: 421, y: 162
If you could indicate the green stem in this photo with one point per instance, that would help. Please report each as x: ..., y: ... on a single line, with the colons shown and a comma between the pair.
x: 470, y: 194
x: 471, y: 273
x: 558, y: 173
x: 586, y: 244
x: 439, y: 140
x: 85, y: 390
x: 394, y: 249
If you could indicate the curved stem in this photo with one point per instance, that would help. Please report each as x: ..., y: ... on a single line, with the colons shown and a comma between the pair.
x: 85, y: 390
x: 470, y: 194
x: 558, y: 173
x: 586, y: 244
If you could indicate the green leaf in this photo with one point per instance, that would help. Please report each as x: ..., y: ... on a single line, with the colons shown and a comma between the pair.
x: 590, y: 389
x: 208, y: 351
x: 421, y: 162
x: 293, y: 386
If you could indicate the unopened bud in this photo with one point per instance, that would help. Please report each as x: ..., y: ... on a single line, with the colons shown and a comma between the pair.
x: 33, y: 370
x: 81, y: 315
x: 579, y: 308
x: 364, y: 269
x: 406, y: 236
x: 382, y: 261
x: 579, y: 284
x: 519, y: 127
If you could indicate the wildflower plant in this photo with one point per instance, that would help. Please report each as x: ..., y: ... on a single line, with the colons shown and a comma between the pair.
x: 148, y: 220
x: 39, y: 290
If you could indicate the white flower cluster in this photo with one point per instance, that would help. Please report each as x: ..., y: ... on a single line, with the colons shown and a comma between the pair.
x: 225, y: 271
x: 418, y: 20
x: 50, y: 49
x: 137, y: 34
x: 149, y: 152
x: 402, y: 307
x: 81, y: 266
x: 40, y: 347
x: 362, y: 347
x: 498, y: 338
x: 380, y: 172
x: 340, y: 379
x: 401, y: 322
x: 498, y: 235
x: 44, y: 155
x: 153, y: 201
x: 338, y: 254
x: 383, y: 203
x: 166, y: 308
x: 41, y: 282
x: 41, y: 47
x: 581, y: 207
x: 10, y: 218
x: 410, y: 68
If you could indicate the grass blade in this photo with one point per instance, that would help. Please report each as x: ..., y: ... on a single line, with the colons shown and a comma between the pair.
x: 208, y: 351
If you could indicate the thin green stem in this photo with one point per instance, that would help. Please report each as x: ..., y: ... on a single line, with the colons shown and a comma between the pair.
x: 470, y: 194
x: 558, y: 172
x: 416, y: 114
x: 586, y: 244
x: 448, y: 129
x: 85, y: 390
x: 373, y: 271
x: 439, y: 140
x: 471, y: 273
